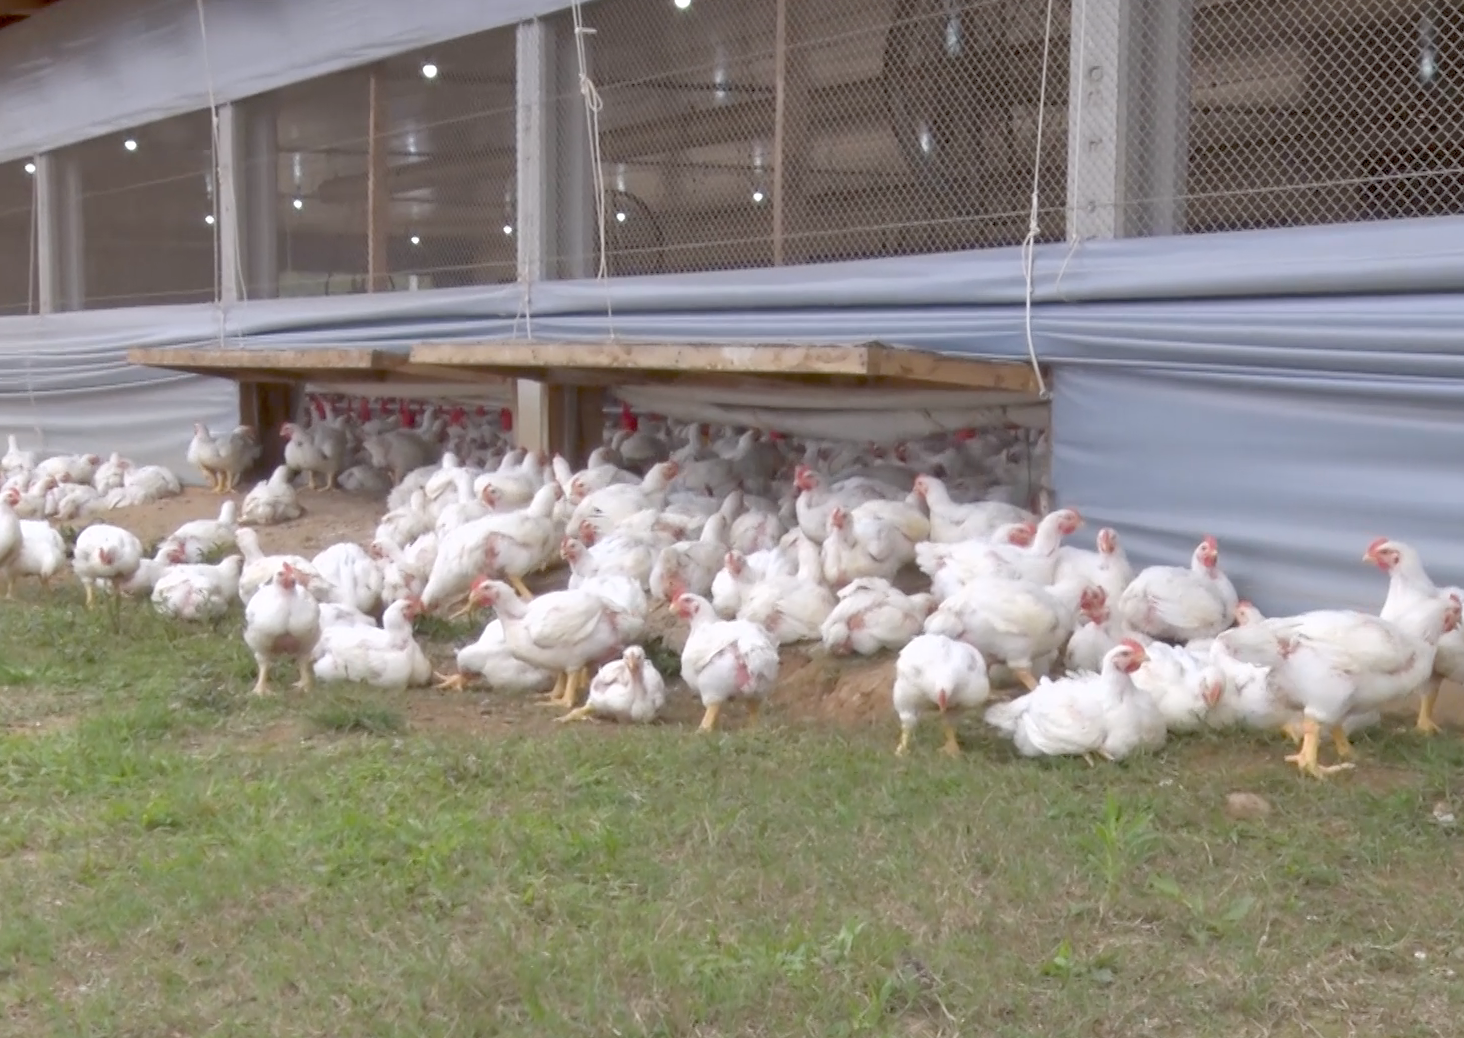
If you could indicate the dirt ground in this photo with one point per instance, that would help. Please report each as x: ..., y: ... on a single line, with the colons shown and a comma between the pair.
x: 812, y: 686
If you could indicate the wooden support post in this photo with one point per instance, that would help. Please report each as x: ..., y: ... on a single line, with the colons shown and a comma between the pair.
x: 266, y: 406
x: 378, y: 186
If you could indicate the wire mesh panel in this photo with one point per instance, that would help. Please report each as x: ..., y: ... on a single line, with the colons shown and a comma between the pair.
x: 147, y: 213
x: 1270, y: 113
x: 395, y: 177
x: 18, y: 272
x: 743, y: 133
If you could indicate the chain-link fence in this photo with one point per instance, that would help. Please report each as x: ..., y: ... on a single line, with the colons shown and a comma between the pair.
x: 743, y: 133
x: 146, y: 216
x: 396, y: 177
x: 18, y: 289
x: 1242, y: 114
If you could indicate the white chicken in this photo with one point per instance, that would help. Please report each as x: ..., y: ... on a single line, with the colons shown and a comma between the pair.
x: 200, y: 538
x: 42, y: 552
x: 272, y: 501
x: 1010, y: 621
x: 384, y: 657
x: 355, y: 578
x: 951, y: 523
x: 628, y: 689
x: 321, y: 450
x: 510, y: 545
x: 197, y: 592
x: 282, y: 621
x: 1183, y: 686
x: 12, y: 542
x: 104, y: 557
x: 562, y: 632
x: 491, y: 659
x: 1085, y: 714
x: 1179, y: 605
x: 1107, y: 568
x: 937, y: 673
x: 874, y: 539
x: 725, y: 659
x: 259, y: 568
x: 1344, y: 663
x: 872, y: 616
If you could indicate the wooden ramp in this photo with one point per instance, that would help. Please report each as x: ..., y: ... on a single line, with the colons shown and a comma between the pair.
x: 870, y: 365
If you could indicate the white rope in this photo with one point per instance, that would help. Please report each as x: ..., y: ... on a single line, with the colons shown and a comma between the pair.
x: 593, y: 106
x: 213, y: 119
x: 1029, y: 245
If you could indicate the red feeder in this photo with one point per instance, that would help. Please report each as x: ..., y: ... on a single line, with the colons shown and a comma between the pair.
x: 505, y: 418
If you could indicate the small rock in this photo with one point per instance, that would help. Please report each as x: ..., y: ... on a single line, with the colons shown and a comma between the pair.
x: 1247, y: 806
x: 1443, y: 814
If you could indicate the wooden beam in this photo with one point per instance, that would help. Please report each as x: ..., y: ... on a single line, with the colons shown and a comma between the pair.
x: 625, y: 362
x: 378, y: 189
x: 326, y: 358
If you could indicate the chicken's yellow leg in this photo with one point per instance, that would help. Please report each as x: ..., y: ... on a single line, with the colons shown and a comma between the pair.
x: 307, y: 675
x: 521, y: 587
x: 453, y: 682
x: 1341, y: 743
x: 261, y: 687
x: 557, y: 695
x: 1293, y: 731
x: 951, y: 748
x: 903, y: 747
x: 578, y: 681
x: 1426, y: 723
x: 1025, y: 677
x: 709, y: 719
x: 579, y: 713
x: 1306, y: 760
x: 91, y: 594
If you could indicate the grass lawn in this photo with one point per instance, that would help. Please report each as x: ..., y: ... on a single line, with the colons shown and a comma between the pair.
x: 178, y: 859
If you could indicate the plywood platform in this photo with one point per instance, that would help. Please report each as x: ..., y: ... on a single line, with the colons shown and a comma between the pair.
x: 870, y: 364
x: 325, y: 366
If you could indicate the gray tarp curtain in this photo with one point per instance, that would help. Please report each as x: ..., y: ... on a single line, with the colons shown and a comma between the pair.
x: 1295, y: 419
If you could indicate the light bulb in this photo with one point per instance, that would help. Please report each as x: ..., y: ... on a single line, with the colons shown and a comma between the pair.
x: 682, y: 5
x: 299, y: 203
x: 416, y: 240
x: 757, y: 195
x: 208, y: 219
x: 130, y: 144
x: 508, y: 228
x: 30, y: 167
x: 619, y: 217
x: 429, y: 70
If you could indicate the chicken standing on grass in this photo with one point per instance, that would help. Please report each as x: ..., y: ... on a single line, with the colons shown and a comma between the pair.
x: 939, y: 673
x: 725, y: 659
x: 105, y: 557
x: 282, y: 621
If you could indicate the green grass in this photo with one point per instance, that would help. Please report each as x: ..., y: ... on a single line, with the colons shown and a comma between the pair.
x: 181, y: 858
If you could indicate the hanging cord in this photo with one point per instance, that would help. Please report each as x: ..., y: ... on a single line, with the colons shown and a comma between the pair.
x: 593, y: 106
x: 1029, y: 245
x: 213, y: 121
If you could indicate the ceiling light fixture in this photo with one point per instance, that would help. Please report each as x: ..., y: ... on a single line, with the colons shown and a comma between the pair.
x: 619, y: 217
x: 508, y: 228
x: 429, y: 70
x: 757, y: 196
x: 682, y: 5
x: 130, y: 144
x: 299, y: 203
x: 30, y: 167
x: 208, y: 219
x: 415, y: 240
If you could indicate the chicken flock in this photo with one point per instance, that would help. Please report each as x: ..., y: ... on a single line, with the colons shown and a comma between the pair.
x: 927, y: 550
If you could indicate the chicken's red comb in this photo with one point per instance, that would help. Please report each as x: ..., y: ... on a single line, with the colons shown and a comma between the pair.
x: 1209, y: 542
x: 1131, y: 645
x: 1375, y: 545
x: 963, y: 435
x: 775, y: 436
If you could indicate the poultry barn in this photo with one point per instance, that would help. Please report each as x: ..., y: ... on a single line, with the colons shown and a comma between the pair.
x: 1204, y: 250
